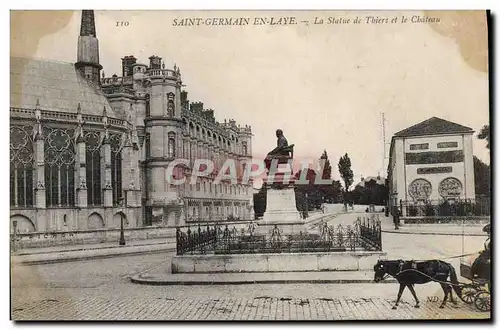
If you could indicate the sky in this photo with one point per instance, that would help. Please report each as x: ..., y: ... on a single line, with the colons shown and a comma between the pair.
x: 324, y: 85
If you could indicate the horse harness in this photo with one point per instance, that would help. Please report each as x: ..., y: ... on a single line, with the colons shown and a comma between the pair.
x: 413, y: 267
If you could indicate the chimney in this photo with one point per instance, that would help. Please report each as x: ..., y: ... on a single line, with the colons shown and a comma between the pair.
x: 154, y: 62
x: 197, y: 106
x: 127, y: 64
x: 184, y: 96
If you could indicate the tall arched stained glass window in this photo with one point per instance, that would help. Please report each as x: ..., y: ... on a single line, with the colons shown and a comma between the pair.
x: 59, y: 167
x: 21, y: 166
x: 116, y: 167
x: 93, y: 168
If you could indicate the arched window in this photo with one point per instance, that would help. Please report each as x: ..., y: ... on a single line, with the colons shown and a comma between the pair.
x: 245, y: 149
x: 116, y: 167
x: 21, y: 166
x: 185, y: 146
x: 148, y: 107
x: 170, y: 105
x: 59, y: 167
x: 171, y: 145
x: 93, y: 168
x: 170, y: 109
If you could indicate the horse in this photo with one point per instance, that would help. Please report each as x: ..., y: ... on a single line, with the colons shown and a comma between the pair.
x: 409, y: 273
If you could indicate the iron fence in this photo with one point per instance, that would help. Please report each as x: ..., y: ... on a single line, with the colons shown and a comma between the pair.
x: 370, y: 232
x: 446, y: 208
x: 366, y: 235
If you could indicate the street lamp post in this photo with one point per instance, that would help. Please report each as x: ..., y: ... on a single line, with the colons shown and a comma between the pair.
x: 14, y: 236
x: 122, y: 234
x: 306, y: 207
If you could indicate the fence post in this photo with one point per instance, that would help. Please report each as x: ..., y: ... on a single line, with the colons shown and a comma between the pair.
x: 177, y: 241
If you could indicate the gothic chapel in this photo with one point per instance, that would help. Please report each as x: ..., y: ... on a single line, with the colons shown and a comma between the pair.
x: 88, y: 152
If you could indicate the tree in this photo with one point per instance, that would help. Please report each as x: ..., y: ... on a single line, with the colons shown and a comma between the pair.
x: 309, y: 189
x: 334, y: 192
x: 260, y: 202
x: 482, y: 177
x: 484, y: 134
x: 346, y: 171
x: 329, y: 192
x: 327, y: 168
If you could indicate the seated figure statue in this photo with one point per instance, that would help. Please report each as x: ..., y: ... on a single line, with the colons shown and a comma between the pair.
x: 283, y: 152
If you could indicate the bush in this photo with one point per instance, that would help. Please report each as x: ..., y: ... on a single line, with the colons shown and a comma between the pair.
x: 445, y: 209
x: 412, y: 211
x: 429, y: 210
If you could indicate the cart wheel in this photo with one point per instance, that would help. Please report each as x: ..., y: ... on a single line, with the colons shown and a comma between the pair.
x: 482, y: 301
x: 468, y: 293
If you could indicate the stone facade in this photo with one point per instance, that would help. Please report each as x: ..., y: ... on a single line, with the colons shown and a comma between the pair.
x: 90, y: 152
x: 431, y: 162
x: 169, y: 127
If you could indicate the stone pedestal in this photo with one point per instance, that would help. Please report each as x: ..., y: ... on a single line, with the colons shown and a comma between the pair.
x: 281, y: 211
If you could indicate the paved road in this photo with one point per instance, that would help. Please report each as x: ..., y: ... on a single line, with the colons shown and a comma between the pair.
x: 100, y: 290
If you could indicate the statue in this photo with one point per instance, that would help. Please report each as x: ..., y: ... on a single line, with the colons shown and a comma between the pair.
x: 281, y: 148
x: 283, y: 152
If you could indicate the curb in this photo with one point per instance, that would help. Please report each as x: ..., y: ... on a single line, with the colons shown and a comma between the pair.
x: 142, y: 281
x: 89, y: 249
x: 430, y: 233
x: 86, y: 258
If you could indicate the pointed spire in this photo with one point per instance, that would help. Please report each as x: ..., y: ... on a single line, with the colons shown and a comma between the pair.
x: 106, y: 125
x: 87, y: 27
x: 38, y: 113
x: 38, y: 118
x: 80, y: 137
x: 87, y: 58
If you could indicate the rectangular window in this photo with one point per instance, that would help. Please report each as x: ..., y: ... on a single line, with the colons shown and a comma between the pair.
x: 148, y: 145
x: 421, y: 146
x: 447, y: 145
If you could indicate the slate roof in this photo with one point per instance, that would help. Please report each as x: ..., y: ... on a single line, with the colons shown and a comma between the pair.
x: 433, y: 126
x: 57, y: 85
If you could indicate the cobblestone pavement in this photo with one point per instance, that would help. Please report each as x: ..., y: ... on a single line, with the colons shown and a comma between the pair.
x: 257, y: 308
x: 101, y: 290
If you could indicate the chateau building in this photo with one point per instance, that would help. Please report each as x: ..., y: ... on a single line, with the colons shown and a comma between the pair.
x: 430, y: 163
x: 89, y: 151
